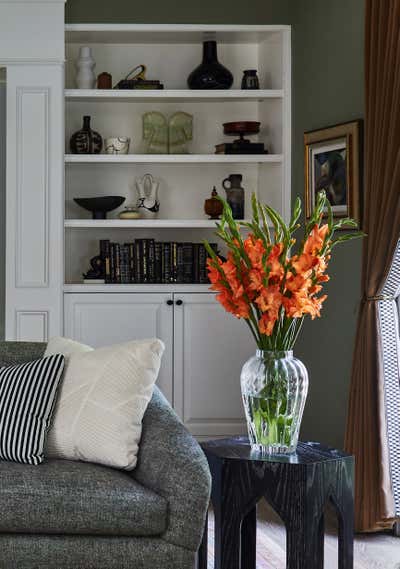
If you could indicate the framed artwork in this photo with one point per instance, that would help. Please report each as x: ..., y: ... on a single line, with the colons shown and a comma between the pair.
x: 332, y: 162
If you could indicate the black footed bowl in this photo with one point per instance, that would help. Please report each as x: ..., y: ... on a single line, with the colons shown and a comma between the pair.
x: 100, y: 206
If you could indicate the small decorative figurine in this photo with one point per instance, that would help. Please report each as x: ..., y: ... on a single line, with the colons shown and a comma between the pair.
x: 180, y: 131
x: 250, y: 79
x: 96, y: 271
x: 148, y: 204
x: 104, y: 81
x: 86, y: 140
x: 85, y: 76
x: 136, y: 79
x: 155, y: 132
x: 213, y: 206
x: 117, y: 145
x: 235, y: 194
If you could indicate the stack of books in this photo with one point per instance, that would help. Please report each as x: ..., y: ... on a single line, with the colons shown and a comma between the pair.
x: 146, y: 261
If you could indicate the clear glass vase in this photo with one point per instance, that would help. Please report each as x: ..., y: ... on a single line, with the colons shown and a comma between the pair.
x: 274, y: 388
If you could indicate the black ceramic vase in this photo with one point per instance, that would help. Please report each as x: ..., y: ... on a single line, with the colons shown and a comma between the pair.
x: 86, y: 140
x: 210, y: 74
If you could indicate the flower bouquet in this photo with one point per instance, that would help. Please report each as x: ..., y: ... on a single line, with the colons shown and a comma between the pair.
x: 273, y: 288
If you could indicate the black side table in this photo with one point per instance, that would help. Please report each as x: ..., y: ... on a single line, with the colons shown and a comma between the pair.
x: 297, y: 487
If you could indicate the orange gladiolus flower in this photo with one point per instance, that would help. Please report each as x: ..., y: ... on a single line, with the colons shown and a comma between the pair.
x: 315, y: 240
x: 276, y: 271
x: 266, y: 324
x: 304, y: 262
x: 255, y: 250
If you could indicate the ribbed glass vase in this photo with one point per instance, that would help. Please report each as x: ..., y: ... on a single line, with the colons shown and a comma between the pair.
x: 274, y: 388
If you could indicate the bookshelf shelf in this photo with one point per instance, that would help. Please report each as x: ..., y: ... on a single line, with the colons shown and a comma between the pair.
x: 170, y: 95
x: 173, y: 158
x: 130, y: 288
x: 140, y: 224
x: 169, y: 34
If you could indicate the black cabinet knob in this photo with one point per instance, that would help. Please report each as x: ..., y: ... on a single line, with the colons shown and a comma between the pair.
x: 170, y: 302
x: 179, y: 302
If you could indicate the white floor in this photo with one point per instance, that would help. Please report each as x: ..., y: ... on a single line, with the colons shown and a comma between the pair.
x: 371, y: 551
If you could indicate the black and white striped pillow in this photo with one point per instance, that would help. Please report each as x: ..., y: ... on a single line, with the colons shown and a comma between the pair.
x: 27, y: 397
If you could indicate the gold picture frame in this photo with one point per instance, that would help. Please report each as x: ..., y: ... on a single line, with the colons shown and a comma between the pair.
x: 332, y: 161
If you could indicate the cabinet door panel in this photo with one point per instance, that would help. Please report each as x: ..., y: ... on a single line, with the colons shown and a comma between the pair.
x: 34, y: 202
x: 210, y: 348
x: 105, y: 319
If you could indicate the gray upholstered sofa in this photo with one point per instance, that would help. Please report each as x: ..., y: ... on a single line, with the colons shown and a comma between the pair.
x: 76, y: 515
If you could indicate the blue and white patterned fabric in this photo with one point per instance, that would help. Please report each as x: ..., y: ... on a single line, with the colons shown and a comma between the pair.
x: 388, y: 308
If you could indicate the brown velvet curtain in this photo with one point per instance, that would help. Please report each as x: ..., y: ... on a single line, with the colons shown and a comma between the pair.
x: 366, y: 425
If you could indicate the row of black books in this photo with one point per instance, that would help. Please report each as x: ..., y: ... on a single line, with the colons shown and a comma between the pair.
x: 149, y: 261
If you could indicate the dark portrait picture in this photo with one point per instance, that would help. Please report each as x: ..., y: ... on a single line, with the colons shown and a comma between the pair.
x: 332, y: 164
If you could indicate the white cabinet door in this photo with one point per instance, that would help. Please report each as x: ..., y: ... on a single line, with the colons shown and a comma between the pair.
x: 210, y: 348
x: 112, y: 318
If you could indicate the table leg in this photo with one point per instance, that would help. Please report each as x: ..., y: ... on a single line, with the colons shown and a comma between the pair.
x: 227, y: 537
x: 305, y: 545
x: 346, y: 536
x: 248, y: 540
x: 202, y: 556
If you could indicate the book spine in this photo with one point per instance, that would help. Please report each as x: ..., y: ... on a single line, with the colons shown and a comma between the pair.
x: 145, y: 261
x: 112, y: 263
x: 196, y: 266
x: 117, y: 263
x: 179, y: 263
x: 157, y: 262
x: 203, y: 279
x: 105, y: 255
x: 138, y: 262
x: 166, y: 263
x: 187, y: 261
x: 125, y: 277
x: 174, y: 262
x: 132, y: 265
x: 151, y: 260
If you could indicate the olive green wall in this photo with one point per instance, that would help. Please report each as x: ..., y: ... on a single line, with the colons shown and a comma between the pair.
x: 179, y: 11
x: 328, y: 57
x: 327, y: 89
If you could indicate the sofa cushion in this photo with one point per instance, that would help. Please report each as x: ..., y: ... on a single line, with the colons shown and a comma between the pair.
x: 103, y: 397
x: 65, y: 497
x: 27, y: 396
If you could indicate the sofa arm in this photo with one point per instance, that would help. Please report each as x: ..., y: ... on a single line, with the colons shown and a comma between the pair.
x: 172, y: 464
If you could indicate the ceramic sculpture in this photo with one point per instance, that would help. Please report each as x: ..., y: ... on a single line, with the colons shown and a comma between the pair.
x: 155, y: 132
x: 148, y: 204
x: 85, y: 76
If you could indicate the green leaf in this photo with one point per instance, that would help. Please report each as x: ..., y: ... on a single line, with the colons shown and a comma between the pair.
x: 348, y: 237
x: 254, y: 206
x: 296, y: 214
x: 330, y: 216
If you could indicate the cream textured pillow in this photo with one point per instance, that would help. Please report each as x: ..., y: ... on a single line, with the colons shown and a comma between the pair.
x: 103, y: 397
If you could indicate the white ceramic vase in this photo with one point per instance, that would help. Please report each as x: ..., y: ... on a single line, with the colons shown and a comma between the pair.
x: 85, y: 75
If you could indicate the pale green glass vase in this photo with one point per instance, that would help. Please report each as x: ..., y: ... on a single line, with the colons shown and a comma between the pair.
x: 274, y: 388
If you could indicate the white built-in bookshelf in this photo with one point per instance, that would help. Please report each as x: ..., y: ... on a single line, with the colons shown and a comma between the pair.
x: 50, y: 239
x: 170, y: 53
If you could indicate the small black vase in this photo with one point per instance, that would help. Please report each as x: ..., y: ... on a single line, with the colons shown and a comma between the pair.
x: 86, y: 140
x: 210, y: 74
